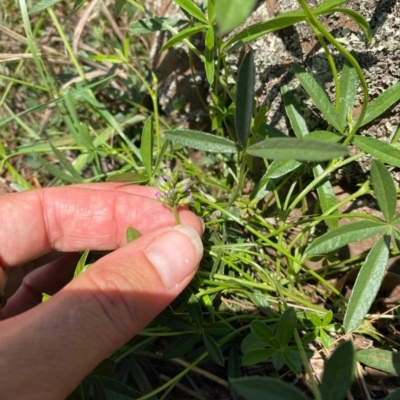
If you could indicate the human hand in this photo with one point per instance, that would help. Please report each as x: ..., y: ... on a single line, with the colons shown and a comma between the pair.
x: 46, y: 349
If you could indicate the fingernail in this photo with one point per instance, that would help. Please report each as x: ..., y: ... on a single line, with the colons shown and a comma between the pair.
x: 175, y: 254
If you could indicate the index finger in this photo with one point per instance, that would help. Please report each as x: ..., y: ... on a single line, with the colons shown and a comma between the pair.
x: 74, y: 219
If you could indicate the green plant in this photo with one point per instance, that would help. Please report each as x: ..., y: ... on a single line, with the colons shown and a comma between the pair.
x: 251, y: 299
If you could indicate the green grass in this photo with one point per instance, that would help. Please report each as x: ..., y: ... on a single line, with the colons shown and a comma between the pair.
x: 75, y: 112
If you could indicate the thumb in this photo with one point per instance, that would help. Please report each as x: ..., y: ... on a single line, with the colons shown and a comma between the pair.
x: 54, y: 345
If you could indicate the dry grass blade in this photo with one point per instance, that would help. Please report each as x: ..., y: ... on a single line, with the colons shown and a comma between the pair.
x: 81, y: 26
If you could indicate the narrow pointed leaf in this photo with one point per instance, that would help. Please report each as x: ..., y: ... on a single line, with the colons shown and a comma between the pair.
x: 324, y: 136
x: 183, y: 34
x: 348, y: 91
x: 218, y: 329
x: 244, y: 98
x: 43, y: 4
x: 286, y: 326
x: 192, y: 9
x: 255, y: 31
x: 349, y: 233
x: 256, y: 356
x: 384, y: 152
x: 209, y: 55
x: 338, y: 373
x: 264, y: 333
x: 81, y: 266
x: 292, y: 108
x: 194, y: 309
x: 384, y: 101
x: 213, y: 350
x: 146, y: 146
x: 358, y: 19
x: 262, y: 388
x: 149, y: 25
x: 326, y: 197
x: 327, y: 5
x: 181, y: 346
x: 384, y: 360
x: 279, y: 168
x: 116, y: 390
x: 128, y: 177
x: 231, y: 13
x: 57, y: 172
x: 384, y: 188
x: 201, y: 141
x: 65, y: 163
x: 367, y: 284
x: 318, y: 95
x: 297, y: 149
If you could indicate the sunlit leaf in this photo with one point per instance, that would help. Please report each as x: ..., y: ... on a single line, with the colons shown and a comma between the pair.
x: 132, y: 234
x: 384, y: 152
x: 209, y: 55
x: 383, y: 360
x: 384, y: 101
x: 201, y: 141
x: 192, y: 9
x: 128, y: 177
x: 146, y: 146
x: 231, y: 13
x: 297, y: 149
x: 384, y: 188
x: 358, y: 19
x: 318, y: 95
x: 43, y: 4
x: 297, y: 121
x: 367, y: 284
x: 349, y: 233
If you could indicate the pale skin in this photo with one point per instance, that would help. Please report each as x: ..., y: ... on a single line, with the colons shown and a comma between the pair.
x: 46, y: 349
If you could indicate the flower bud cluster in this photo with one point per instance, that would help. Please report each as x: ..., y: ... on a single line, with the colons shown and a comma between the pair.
x: 172, y: 191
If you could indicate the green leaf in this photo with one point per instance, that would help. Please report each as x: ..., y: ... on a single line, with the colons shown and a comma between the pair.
x: 66, y: 164
x: 115, y: 390
x: 175, y: 322
x: 349, y: 233
x: 183, y: 34
x: 256, y: 356
x: 297, y: 122
x: 384, y: 188
x: 324, y: 136
x: 367, y: 284
x: 218, y: 329
x: 255, y: 31
x: 132, y: 234
x: 338, y: 373
x: 286, y: 326
x: 128, y: 177
x: 118, y: 7
x: 262, y: 388
x: 194, y: 309
x: 358, y: 19
x: 260, y: 301
x: 151, y: 25
x: 384, y: 101
x: 192, y: 9
x: 181, y: 346
x: 213, y: 349
x: 209, y: 55
x: 292, y: 359
x: 201, y: 141
x: 394, y: 395
x: 378, y: 149
x: 326, y: 197
x: 318, y: 95
x: 348, y: 92
x: 105, y: 368
x: 43, y: 4
x: 244, y: 97
x: 297, y: 149
x: 384, y: 360
x: 279, y: 168
x: 81, y: 266
x: 146, y: 146
x: 45, y: 297
x: 232, y: 13
x: 57, y: 172
x: 264, y: 334
x: 327, y: 5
